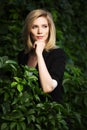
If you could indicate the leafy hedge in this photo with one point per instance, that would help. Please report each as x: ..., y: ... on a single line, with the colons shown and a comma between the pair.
x: 21, y: 106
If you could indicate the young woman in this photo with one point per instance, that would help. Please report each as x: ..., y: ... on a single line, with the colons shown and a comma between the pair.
x: 41, y: 52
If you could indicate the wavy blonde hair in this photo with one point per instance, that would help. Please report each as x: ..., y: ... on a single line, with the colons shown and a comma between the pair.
x: 33, y: 15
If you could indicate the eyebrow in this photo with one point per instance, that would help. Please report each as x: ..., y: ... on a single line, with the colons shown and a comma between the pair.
x: 41, y: 24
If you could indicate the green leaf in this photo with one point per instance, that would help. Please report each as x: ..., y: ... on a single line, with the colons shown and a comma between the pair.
x: 11, y: 62
x: 78, y: 116
x: 13, y: 84
x: 23, y: 125
x: 40, y: 105
x: 18, y: 126
x: 37, y: 97
x: 4, y: 126
x: 17, y: 79
x: 19, y: 87
x: 12, y: 125
x: 38, y: 126
x: 31, y: 118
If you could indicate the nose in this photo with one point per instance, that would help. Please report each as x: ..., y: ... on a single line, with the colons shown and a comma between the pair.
x: 39, y: 30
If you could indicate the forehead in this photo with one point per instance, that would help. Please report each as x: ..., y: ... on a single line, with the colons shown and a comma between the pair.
x: 40, y: 20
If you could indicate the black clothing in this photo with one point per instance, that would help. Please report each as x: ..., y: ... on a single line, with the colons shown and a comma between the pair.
x: 55, y: 62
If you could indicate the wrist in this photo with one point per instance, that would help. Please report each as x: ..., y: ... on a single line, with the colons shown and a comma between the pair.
x: 39, y: 57
x: 39, y: 54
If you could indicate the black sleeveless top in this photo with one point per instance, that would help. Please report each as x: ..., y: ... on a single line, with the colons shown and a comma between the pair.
x: 55, y: 60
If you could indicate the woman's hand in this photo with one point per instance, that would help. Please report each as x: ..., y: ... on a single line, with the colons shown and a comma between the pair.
x: 39, y: 47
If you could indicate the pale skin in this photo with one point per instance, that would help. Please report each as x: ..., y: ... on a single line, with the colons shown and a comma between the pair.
x: 39, y: 32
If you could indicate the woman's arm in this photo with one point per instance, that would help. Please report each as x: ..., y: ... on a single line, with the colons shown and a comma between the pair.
x: 48, y: 84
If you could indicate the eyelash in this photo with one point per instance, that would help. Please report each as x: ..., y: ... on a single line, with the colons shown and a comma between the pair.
x: 33, y: 27
x: 44, y: 26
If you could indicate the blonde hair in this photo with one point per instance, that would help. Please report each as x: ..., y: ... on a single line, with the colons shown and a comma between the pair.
x: 33, y: 15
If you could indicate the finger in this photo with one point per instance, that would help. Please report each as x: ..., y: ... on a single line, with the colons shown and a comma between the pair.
x: 35, y: 45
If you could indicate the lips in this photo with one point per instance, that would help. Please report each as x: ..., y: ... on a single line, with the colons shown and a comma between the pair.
x: 39, y: 37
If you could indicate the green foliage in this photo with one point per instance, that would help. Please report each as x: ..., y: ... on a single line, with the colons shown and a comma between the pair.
x: 75, y: 86
x: 21, y: 106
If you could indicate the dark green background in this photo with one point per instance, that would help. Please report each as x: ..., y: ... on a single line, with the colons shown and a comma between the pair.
x: 70, y: 17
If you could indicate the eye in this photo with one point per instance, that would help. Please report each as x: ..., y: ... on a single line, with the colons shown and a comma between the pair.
x: 34, y: 26
x: 45, y: 26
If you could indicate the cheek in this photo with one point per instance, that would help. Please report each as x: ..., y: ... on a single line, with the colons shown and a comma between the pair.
x: 32, y: 34
x: 47, y: 33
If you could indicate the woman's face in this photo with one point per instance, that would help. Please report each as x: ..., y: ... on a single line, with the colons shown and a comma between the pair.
x: 40, y: 29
